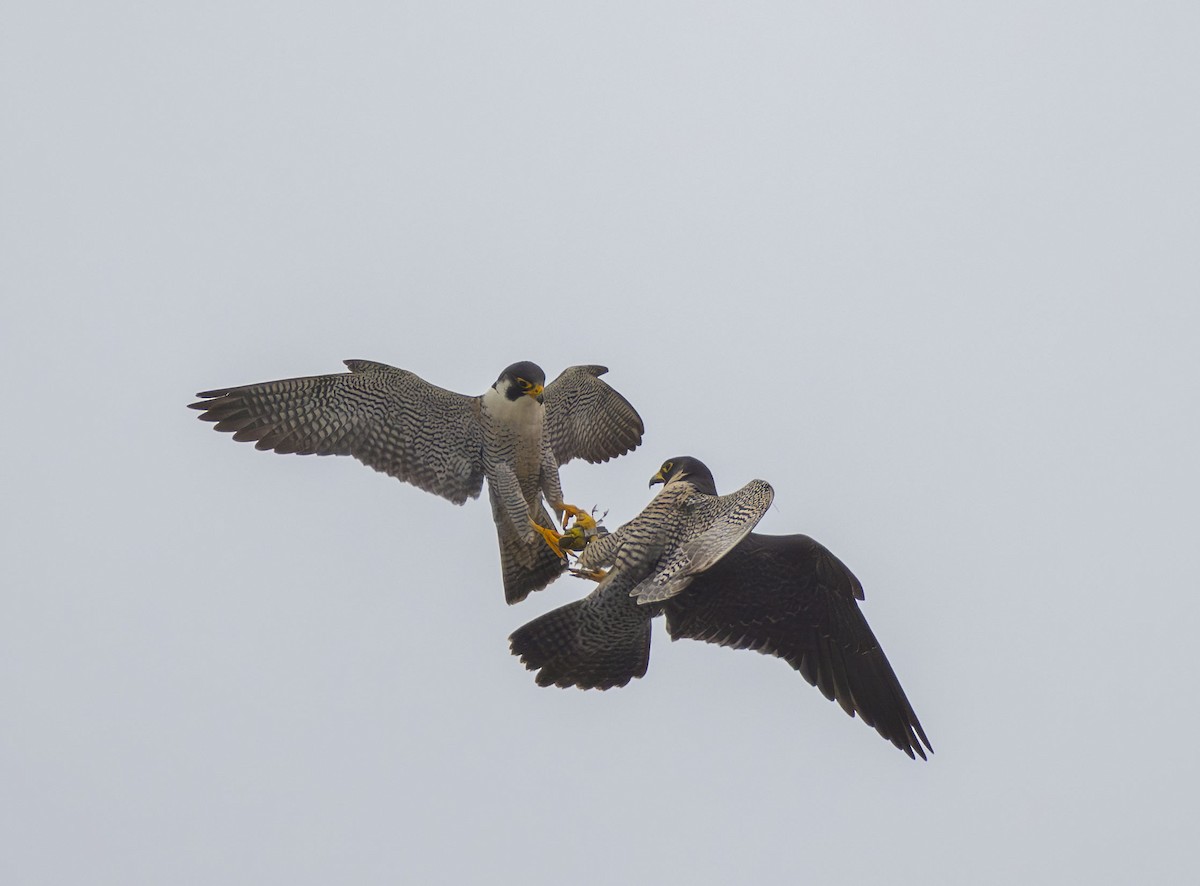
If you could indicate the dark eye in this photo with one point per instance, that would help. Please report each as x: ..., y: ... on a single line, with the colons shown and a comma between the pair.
x: 525, y: 386
x: 667, y: 465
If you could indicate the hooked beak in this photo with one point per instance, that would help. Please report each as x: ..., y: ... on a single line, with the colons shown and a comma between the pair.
x: 536, y: 393
x: 656, y: 479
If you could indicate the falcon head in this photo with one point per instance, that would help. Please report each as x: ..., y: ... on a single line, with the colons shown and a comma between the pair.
x: 684, y: 467
x: 522, y: 379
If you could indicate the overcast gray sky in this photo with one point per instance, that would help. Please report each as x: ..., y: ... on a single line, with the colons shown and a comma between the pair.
x: 930, y: 269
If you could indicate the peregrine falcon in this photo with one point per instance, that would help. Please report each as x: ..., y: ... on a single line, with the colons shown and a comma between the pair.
x: 690, y: 555
x: 516, y: 434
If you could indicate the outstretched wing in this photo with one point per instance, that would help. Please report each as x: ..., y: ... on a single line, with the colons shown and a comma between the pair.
x: 388, y: 418
x: 787, y: 595
x: 587, y: 419
x: 712, y: 526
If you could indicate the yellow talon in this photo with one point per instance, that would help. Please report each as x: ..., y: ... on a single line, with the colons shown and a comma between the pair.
x: 582, y: 518
x: 591, y: 574
x: 574, y: 538
x: 552, y: 538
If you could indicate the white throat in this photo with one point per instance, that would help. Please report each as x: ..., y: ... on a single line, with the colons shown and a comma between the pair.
x: 523, y: 414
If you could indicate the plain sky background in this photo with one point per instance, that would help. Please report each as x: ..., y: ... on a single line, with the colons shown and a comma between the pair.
x: 931, y: 269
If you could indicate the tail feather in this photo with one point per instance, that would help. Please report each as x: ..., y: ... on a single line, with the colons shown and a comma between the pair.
x: 565, y: 648
x: 526, y: 562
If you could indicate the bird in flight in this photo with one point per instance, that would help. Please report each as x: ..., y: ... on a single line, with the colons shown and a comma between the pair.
x: 515, y: 435
x: 691, y: 556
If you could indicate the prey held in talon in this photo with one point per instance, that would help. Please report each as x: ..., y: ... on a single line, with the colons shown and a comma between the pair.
x: 575, y: 537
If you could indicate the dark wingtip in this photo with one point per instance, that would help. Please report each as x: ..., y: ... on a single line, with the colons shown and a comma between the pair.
x: 923, y: 739
x: 216, y: 392
x: 208, y: 407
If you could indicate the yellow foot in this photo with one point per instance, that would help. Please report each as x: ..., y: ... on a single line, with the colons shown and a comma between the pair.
x: 590, y: 574
x: 583, y: 519
x: 552, y: 538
